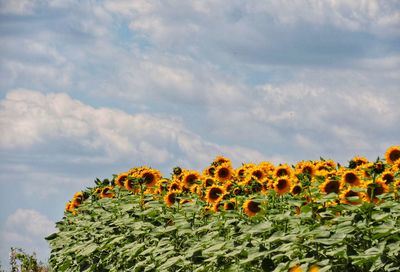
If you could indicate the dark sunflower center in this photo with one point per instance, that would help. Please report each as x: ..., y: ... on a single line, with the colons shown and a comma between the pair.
x: 394, y: 155
x: 282, y: 184
x: 350, y: 178
x: 209, y: 182
x: 258, y: 174
x: 190, y: 179
x: 388, y: 178
x: 223, y: 173
x: 351, y: 194
x: 105, y: 190
x: 172, y: 198
x: 229, y: 206
x: 174, y: 186
x: 254, y: 207
x: 215, y: 193
x: 282, y: 172
x: 296, y: 190
x: 148, y: 178
x: 332, y: 187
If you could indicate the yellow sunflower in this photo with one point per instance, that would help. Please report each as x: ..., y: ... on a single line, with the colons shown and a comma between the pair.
x: 375, y: 189
x: 251, y: 207
x: 224, y: 172
x: 69, y: 207
x: 360, y: 160
x: 107, y: 192
x: 282, y: 185
x: 349, y: 193
x: 215, y: 193
x: 120, y: 179
x: 207, y: 181
x: 296, y: 189
x: 282, y: 171
x: 170, y: 198
x: 314, y: 268
x: 330, y: 186
x: 296, y: 268
x: 97, y: 191
x: 388, y: 177
x: 150, y: 177
x: 392, y: 154
x: 78, y: 195
x: 209, y: 171
x: 258, y: 173
x: 266, y: 167
x: 221, y: 160
x: 175, y: 186
x: 305, y: 168
x: 350, y: 178
x: 131, y: 185
x: 190, y: 178
x: 230, y: 204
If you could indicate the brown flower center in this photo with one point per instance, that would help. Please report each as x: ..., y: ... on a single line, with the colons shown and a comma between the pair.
x: 394, y: 155
x: 254, y: 207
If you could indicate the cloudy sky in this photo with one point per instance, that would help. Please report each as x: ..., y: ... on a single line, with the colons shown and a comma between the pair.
x: 92, y: 88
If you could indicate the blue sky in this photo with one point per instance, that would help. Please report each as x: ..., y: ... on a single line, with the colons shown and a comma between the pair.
x: 93, y: 88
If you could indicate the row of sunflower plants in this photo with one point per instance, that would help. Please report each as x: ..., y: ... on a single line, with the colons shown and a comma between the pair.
x: 311, y: 216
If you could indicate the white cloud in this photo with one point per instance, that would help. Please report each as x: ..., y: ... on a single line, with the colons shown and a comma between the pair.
x: 19, y: 7
x: 27, y: 228
x: 30, y: 118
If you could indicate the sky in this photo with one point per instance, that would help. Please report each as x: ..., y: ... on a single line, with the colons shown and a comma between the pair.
x: 93, y: 88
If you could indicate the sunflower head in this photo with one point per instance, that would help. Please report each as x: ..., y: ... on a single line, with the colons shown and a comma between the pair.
x: 120, y: 179
x: 221, y: 160
x: 345, y: 195
x: 207, y: 181
x: 230, y: 204
x: 170, y: 198
x: 150, y: 177
x: 330, y: 186
x: 257, y: 173
x: 223, y: 173
x: 392, y: 154
x: 358, y: 161
x: 282, y: 171
x: 296, y: 189
x: 282, y: 185
x: 305, y: 168
x: 387, y: 177
x: 375, y: 189
x: 350, y: 178
x: 209, y: 171
x: 215, y: 193
x: 251, y: 207
x: 190, y: 178
x: 107, y: 192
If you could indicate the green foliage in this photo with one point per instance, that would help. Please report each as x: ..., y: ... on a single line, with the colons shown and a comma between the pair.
x: 140, y: 233
x: 20, y: 261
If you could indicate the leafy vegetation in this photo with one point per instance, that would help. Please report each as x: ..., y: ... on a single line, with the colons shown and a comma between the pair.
x: 313, y: 216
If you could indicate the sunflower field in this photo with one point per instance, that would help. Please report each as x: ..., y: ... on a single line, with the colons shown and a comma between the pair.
x: 311, y: 216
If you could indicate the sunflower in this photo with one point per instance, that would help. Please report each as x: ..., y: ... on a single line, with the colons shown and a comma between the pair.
x: 314, y: 268
x: 162, y: 185
x: 258, y: 173
x: 97, y: 191
x: 131, y: 185
x: 209, y: 171
x: 107, y: 193
x: 224, y: 172
x: 170, y: 198
x: 78, y: 195
x: 296, y: 268
x: 388, y: 177
x: 296, y: 189
x: 376, y: 189
x: 349, y: 193
x: 190, y: 178
x: 282, y: 185
x: 221, y: 160
x: 392, y: 154
x: 359, y: 160
x: 230, y: 204
x: 267, y: 167
x: 251, y: 207
x: 207, y: 181
x: 351, y: 178
x: 215, y: 193
x: 69, y: 207
x: 120, y: 179
x: 330, y: 186
x: 150, y: 177
x: 305, y: 168
x: 175, y: 186
x: 282, y: 171
x: 196, y: 189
